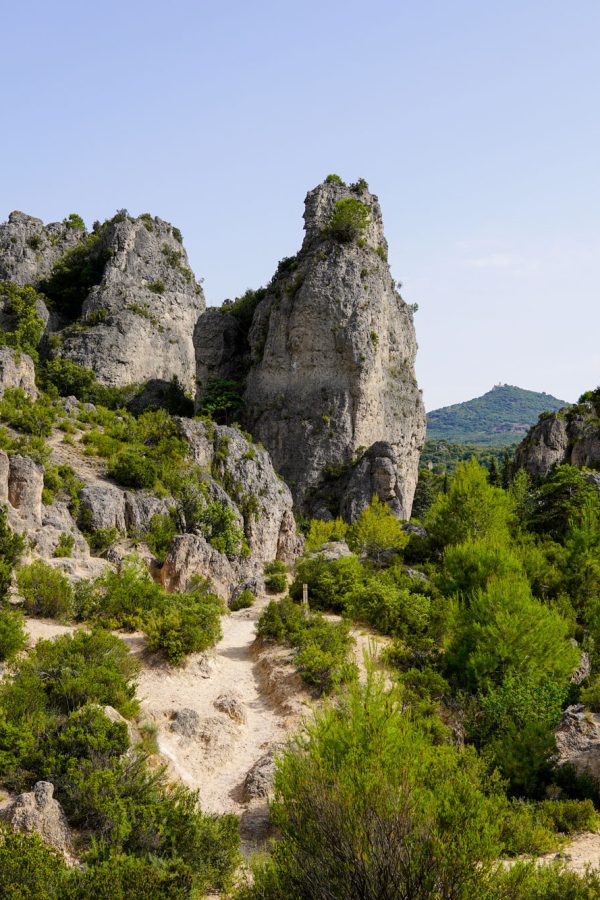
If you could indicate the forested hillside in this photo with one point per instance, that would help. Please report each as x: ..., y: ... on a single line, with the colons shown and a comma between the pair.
x: 500, y: 417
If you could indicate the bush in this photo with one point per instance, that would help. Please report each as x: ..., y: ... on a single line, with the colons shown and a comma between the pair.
x: 377, y: 533
x: 69, y: 379
x: 393, y: 610
x: 26, y: 326
x: 320, y: 533
x: 334, y: 179
x: 366, y: 806
x: 75, y: 274
x: 162, y: 529
x: 469, y: 566
x: 45, y: 591
x: 65, y: 545
x: 328, y: 581
x: 323, y: 647
x: 471, y: 510
x: 11, y: 549
x: 132, y: 468
x: 276, y: 580
x: 33, y: 417
x: 348, y: 220
x: 190, y: 623
x: 243, y: 601
x: 13, y: 638
x: 29, y: 868
x: 503, y: 630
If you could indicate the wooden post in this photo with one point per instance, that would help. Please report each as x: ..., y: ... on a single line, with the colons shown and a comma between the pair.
x: 305, y: 596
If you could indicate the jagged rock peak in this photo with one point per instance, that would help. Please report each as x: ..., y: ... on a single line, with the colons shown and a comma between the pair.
x: 328, y: 360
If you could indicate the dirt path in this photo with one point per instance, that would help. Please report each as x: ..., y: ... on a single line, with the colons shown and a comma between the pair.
x: 217, y: 756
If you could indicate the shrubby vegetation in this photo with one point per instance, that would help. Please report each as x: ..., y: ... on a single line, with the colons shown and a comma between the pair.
x: 349, y: 220
x: 135, y: 832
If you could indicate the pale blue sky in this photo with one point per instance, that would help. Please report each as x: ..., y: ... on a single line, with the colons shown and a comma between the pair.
x: 475, y: 121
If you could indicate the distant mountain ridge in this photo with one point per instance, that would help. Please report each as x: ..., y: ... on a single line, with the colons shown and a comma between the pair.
x: 500, y: 417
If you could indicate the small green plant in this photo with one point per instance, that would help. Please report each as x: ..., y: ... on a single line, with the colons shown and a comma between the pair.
x: 34, y: 242
x: 13, y: 638
x: 349, y: 220
x: 177, y: 235
x: 375, y: 339
x: 100, y: 539
x: 276, y: 580
x: 334, y: 179
x: 45, y: 591
x: 244, y: 600
x: 359, y: 186
x: 157, y: 287
x: 65, y: 545
x: 74, y: 222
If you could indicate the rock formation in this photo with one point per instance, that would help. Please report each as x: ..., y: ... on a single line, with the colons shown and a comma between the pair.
x: 123, y: 300
x: 578, y: 740
x: 571, y: 435
x: 330, y: 368
x: 38, y: 811
x: 17, y: 371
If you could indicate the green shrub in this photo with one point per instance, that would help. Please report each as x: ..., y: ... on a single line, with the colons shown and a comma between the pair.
x: 334, y: 179
x: 157, y: 287
x: 504, y: 629
x: 162, y: 530
x: 328, y: 581
x: 13, y: 638
x: 393, y: 610
x: 590, y: 694
x: 132, y: 468
x: 349, y: 220
x: 75, y: 274
x: 45, y: 591
x: 25, y: 327
x: 29, y: 868
x: 69, y: 379
x: 276, y: 583
x: 74, y: 222
x: 469, y: 566
x: 65, y: 545
x: 72, y: 670
x: 367, y: 806
x: 221, y: 398
x: 243, y: 601
x: 62, y: 482
x: 472, y: 509
x: 377, y: 533
x: 322, y: 647
x: 11, y: 549
x: 33, y: 417
x: 188, y: 624
x: 100, y: 539
x: 320, y: 533
x: 119, y: 599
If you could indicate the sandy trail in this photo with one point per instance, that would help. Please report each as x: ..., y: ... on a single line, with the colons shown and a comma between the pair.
x: 216, y: 760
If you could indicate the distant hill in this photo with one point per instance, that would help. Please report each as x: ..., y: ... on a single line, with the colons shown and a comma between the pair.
x: 499, y: 418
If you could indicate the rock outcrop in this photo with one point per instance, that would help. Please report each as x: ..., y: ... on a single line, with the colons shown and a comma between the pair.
x: 330, y: 369
x: 38, y: 811
x: 137, y: 323
x: 571, y: 435
x: 29, y: 249
x: 17, y: 371
x: 578, y: 740
x: 124, y: 300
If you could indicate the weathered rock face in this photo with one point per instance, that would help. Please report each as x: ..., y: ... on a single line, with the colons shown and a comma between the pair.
x: 569, y: 436
x: 127, y: 306
x: 29, y: 249
x: 332, y: 365
x: 39, y: 811
x: 578, y: 740
x: 17, y: 371
x: 138, y: 322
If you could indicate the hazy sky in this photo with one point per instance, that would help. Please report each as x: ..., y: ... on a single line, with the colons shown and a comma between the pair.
x: 477, y: 122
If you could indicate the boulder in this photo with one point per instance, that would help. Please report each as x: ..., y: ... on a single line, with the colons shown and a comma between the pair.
x: 260, y: 778
x: 578, y: 740
x: 29, y: 249
x: 38, y: 811
x: 190, y: 555
x: 101, y: 506
x: 230, y: 704
x: 186, y: 722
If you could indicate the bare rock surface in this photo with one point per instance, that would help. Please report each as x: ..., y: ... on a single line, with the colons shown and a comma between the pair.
x: 578, y: 740
x: 17, y: 371
x: 260, y: 778
x: 38, y: 811
x: 29, y: 249
x: 231, y: 704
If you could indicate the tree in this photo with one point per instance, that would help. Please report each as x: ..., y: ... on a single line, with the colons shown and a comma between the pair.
x: 472, y: 509
x: 367, y: 806
x: 377, y: 533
